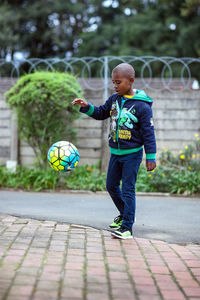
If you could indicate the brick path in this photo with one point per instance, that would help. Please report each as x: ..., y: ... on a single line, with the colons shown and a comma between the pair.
x: 43, y: 260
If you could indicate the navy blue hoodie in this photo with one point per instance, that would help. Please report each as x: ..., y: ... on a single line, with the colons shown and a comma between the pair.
x: 131, y: 123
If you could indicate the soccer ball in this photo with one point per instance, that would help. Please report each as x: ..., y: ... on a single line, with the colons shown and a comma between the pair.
x: 63, y: 156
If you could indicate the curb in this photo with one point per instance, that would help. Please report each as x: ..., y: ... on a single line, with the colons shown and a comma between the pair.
x: 147, y: 194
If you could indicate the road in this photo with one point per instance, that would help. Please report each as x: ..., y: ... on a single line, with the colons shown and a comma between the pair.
x: 171, y: 219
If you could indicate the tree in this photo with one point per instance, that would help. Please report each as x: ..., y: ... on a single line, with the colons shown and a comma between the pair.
x: 50, y: 28
x: 144, y: 28
x: 9, y: 33
x: 41, y: 29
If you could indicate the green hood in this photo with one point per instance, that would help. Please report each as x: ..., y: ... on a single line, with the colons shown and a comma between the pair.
x: 142, y: 96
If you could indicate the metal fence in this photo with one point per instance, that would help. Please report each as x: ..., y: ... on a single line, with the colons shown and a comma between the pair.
x: 154, y: 73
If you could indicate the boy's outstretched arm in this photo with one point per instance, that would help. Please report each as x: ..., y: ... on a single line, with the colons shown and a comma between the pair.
x: 80, y: 102
x: 150, y: 165
x: 101, y: 112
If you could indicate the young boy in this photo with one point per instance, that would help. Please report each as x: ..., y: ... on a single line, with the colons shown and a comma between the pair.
x: 131, y: 127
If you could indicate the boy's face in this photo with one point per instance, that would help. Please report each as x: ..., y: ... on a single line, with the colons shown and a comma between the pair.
x: 122, y: 84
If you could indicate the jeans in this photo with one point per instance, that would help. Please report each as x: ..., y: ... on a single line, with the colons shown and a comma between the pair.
x: 125, y: 168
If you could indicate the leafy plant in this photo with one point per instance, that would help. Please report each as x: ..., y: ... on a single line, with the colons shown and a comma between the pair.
x: 87, y: 178
x: 42, y: 102
x: 82, y: 178
x: 176, y: 174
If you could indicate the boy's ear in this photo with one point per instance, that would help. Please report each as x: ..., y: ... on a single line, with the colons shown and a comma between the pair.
x: 132, y: 79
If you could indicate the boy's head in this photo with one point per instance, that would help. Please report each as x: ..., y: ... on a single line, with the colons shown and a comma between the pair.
x: 123, y: 76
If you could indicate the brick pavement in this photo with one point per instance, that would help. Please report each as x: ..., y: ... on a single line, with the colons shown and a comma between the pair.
x: 43, y: 260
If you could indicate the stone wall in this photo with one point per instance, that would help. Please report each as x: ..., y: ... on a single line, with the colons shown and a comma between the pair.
x: 176, y: 118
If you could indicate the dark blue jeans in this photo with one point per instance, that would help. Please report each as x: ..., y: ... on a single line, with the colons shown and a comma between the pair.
x: 125, y: 168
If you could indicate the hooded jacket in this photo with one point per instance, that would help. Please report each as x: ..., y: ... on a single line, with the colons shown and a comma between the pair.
x: 131, y: 123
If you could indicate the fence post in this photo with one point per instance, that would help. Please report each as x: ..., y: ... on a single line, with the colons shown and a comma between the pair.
x: 105, y: 125
x: 12, y: 163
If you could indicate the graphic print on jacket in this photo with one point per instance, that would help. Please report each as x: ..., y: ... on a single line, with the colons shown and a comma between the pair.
x: 131, y: 123
x: 121, y: 121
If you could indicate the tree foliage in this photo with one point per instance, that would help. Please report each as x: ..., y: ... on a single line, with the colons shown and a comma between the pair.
x: 157, y: 28
x: 41, y: 28
x: 51, y: 28
x: 42, y: 102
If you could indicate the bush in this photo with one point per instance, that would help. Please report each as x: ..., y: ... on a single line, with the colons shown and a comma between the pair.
x: 87, y: 178
x: 42, y: 102
x: 176, y: 174
x: 82, y: 178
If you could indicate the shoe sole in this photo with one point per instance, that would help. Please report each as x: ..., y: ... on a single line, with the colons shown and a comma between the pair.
x: 121, y: 237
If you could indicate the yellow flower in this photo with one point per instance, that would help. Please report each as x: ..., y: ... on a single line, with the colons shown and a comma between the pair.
x: 182, y: 156
x: 186, y: 147
x: 89, y: 169
x: 194, y: 155
x: 196, y: 134
x: 190, y: 168
x: 153, y: 171
x: 149, y: 175
x: 163, y: 174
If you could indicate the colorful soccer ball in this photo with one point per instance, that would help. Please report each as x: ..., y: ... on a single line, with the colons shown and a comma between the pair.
x: 63, y: 156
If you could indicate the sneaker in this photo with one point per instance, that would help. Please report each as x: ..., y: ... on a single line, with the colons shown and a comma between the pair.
x: 122, y: 233
x: 116, y: 223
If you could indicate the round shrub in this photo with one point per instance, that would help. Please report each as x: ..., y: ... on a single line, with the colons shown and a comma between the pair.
x: 42, y: 102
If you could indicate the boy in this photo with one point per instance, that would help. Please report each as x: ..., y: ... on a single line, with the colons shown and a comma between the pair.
x: 131, y: 127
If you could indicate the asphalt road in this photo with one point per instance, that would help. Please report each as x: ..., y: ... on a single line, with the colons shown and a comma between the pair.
x: 172, y: 219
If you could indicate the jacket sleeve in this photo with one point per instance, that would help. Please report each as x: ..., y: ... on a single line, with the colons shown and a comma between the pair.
x: 101, y: 112
x: 147, y: 131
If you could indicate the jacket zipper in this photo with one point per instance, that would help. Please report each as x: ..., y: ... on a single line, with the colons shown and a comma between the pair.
x: 117, y: 138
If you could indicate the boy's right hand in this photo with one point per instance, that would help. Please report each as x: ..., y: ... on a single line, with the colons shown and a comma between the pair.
x: 80, y: 102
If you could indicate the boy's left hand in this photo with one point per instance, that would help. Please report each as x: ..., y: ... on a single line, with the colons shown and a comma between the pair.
x: 150, y: 165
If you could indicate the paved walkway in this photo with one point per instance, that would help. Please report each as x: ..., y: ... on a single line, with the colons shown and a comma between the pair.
x: 44, y: 260
x: 170, y: 219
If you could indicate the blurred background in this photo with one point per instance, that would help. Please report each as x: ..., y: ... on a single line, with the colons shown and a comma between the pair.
x: 61, y: 28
